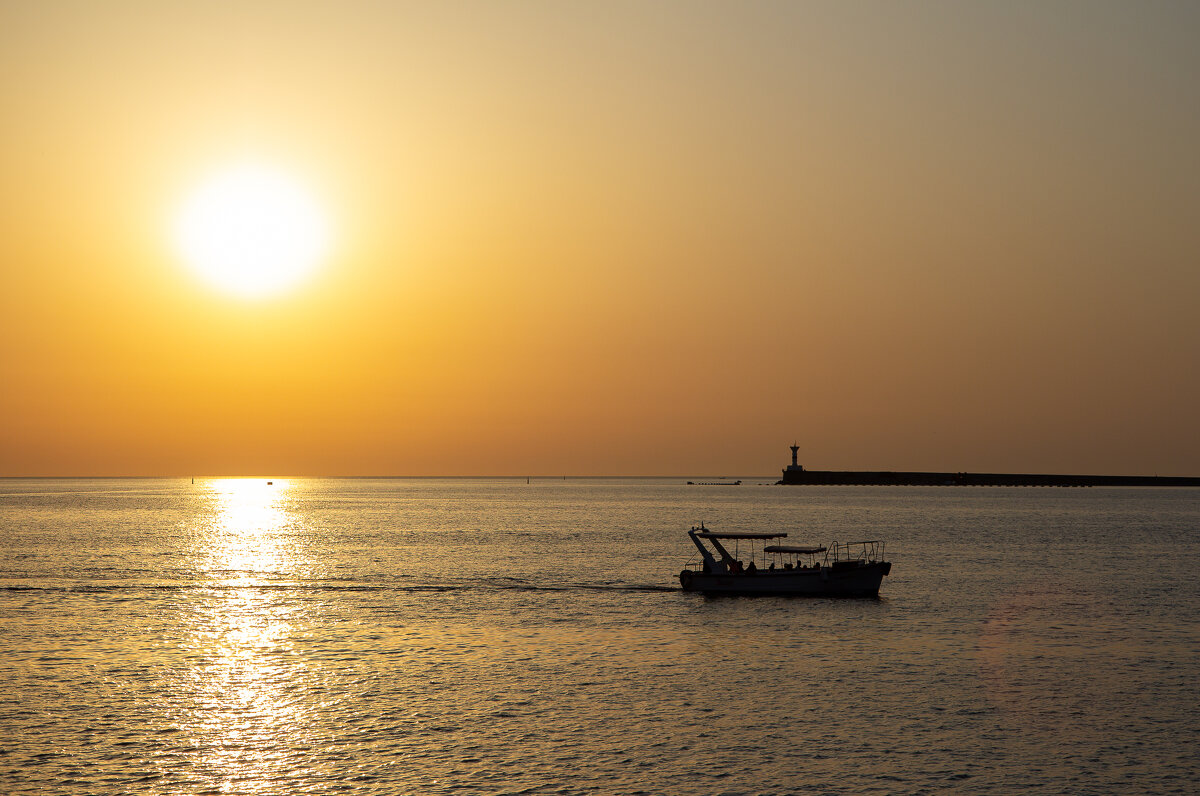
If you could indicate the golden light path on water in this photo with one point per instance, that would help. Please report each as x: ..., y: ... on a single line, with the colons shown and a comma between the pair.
x: 247, y: 532
x: 246, y: 671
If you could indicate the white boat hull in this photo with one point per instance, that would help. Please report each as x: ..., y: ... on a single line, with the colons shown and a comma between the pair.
x: 859, y: 581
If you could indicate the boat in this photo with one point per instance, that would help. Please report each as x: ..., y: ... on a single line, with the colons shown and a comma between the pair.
x: 841, y: 569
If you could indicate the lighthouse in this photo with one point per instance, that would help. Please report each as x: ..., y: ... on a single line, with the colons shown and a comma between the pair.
x: 794, y: 467
x: 793, y: 473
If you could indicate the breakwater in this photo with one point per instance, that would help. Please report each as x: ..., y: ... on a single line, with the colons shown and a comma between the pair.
x: 796, y: 476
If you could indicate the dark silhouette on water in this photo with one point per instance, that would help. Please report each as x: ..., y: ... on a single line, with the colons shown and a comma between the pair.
x: 848, y: 569
x: 795, y: 474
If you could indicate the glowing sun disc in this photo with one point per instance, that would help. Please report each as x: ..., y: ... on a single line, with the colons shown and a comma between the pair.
x: 252, y: 231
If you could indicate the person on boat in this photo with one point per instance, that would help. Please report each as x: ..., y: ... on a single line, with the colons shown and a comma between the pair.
x: 750, y: 567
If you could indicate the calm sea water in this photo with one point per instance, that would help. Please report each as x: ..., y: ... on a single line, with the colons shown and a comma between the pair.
x: 492, y: 636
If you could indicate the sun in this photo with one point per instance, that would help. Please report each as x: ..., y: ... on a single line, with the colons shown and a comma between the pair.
x: 252, y: 230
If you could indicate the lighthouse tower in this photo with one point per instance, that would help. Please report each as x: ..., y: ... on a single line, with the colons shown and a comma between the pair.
x: 794, y: 467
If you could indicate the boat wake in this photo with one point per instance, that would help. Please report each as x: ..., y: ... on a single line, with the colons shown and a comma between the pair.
x: 341, y: 586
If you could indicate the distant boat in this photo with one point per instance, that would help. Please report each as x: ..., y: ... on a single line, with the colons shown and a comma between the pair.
x: 844, y: 569
x: 714, y: 483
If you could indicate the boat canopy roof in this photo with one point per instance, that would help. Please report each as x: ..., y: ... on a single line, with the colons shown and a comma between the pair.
x: 787, y: 548
x: 711, y: 535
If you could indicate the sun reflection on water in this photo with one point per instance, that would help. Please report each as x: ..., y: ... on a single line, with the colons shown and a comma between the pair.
x: 242, y: 711
x: 248, y: 532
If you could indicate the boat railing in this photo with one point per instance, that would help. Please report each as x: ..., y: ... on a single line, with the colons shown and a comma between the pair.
x: 868, y: 551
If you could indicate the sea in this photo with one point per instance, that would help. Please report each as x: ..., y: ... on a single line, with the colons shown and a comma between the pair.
x: 514, y: 636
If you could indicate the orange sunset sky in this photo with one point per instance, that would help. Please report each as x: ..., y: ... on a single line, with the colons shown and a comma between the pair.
x: 608, y: 238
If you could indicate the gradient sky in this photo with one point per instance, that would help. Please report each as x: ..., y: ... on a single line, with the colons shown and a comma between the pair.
x: 609, y: 238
